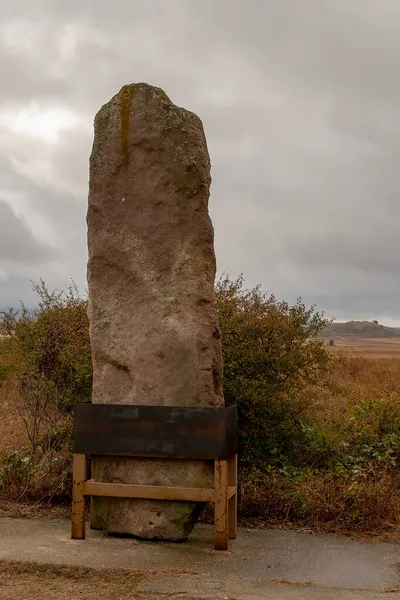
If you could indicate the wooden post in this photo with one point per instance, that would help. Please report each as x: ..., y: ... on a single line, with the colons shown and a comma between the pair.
x: 78, y: 497
x: 221, y: 505
x: 232, y: 507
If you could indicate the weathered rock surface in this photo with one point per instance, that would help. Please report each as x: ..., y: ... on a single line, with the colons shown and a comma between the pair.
x: 153, y: 324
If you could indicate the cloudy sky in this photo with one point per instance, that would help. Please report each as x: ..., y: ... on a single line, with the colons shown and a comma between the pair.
x: 301, y: 105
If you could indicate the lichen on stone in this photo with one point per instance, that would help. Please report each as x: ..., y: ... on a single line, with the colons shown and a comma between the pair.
x: 126, y: 95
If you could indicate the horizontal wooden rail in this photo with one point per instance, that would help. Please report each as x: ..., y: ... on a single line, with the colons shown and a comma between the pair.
x: 154, y: 492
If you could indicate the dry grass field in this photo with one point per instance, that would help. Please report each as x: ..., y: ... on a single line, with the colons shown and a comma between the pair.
x: 368, y: 347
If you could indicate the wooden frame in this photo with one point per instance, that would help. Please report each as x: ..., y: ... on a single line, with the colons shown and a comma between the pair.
x: 96, y: 430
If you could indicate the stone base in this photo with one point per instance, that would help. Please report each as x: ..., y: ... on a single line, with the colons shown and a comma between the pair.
x: 146, y: 519
x: 149, y: 519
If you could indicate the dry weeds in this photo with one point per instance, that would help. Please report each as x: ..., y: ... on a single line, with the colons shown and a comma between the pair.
x: 24, y: 581
x: 29, y: 510
x: 353, y: 379
x: 12, y: 434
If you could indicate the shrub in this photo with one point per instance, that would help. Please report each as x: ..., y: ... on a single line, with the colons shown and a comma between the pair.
x: 51, y: 343
x: 50, y: 352
x: 270, y: 355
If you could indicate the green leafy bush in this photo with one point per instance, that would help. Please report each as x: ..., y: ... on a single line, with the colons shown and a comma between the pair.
x: 270, y: 355
x: 51, y: 343
x: 52, y: 370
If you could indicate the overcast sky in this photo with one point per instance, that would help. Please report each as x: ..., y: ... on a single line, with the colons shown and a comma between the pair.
x: 300, y: 102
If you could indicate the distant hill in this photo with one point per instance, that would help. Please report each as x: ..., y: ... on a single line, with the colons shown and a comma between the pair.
x: 358, y: 329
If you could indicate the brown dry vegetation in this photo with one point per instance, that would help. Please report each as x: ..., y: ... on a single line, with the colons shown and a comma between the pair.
x: 373, y: 348
x: 12, y: 431
x: 367, y: 501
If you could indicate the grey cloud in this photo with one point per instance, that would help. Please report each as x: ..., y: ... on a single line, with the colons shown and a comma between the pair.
x: 24, y: 258
x: 300, y: 105
x: 17, y: 244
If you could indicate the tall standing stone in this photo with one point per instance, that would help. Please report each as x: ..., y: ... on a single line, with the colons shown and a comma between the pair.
x: 153, y: 324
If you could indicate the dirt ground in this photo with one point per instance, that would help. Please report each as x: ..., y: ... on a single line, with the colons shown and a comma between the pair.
x: 29, y: 581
